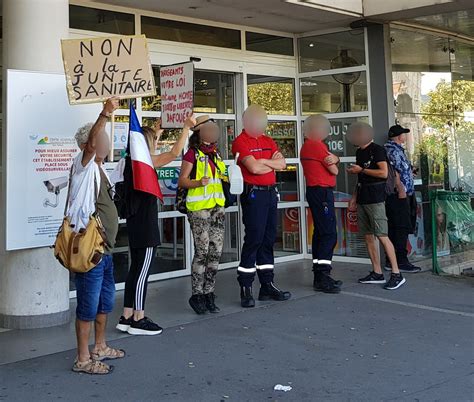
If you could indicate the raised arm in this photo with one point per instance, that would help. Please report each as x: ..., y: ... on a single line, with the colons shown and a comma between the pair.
x: 167, y: 157
x: 99, y: 126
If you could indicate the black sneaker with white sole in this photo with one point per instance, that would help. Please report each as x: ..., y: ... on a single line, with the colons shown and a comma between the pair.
x: 407, y: 269
x: 145, y: 326
x: 374, y: 278
x: 124, y: 323
x: 395, y: 281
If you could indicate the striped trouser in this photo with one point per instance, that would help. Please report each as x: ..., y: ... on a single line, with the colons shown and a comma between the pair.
x: 137, y: 278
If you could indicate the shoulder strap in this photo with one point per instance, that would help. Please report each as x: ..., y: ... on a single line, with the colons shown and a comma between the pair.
x: 215, y: 162
x: 192, y: 175
x: 68, y: 190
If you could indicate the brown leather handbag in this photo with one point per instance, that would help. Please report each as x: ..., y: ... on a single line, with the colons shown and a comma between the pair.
x: 80, y: 251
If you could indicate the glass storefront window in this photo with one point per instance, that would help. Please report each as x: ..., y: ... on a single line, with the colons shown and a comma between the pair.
x: 120, y: 256
x: 230, y: 251
x: 350, y: 242
x: 94, y: 19
x: 336, y: 50
x: 288, y: 232
x: 337, y: 142
x: 275, y: 95
x: 284, y: 134
x: 224, y: 145
x: 326, y: 94
x: 287, y: 181
x: 213, y: 93
x: 258, y: 42
x: 420, y: 71
x: 170, y: 255
x: 120, y: 130
x: 185, y: 32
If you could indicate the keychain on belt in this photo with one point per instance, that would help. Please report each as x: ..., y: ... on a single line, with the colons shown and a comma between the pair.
x: 277, y: 193
x: 326, y: 209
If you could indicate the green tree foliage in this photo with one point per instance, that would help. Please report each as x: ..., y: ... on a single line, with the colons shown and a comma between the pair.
x: 446, y: 114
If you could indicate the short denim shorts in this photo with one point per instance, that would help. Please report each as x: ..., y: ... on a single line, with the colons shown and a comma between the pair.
x: 95, y: 290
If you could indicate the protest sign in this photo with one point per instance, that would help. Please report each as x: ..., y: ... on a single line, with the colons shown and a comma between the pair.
x: 177, y: 94
x: 99, y: 68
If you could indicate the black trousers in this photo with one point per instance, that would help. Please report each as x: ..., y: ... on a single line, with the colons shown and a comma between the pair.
x: 259, y: 214
x: 321, y: 204
x: 400, y: 224
x: 137, y: 278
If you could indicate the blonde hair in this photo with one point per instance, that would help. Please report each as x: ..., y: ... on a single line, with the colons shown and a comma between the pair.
x: 150, y: 136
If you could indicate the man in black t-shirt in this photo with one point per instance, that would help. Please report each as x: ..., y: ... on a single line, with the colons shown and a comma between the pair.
x: 369, y: 201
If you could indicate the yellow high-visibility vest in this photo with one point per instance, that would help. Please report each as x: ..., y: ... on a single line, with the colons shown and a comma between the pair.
x: 207, y: 197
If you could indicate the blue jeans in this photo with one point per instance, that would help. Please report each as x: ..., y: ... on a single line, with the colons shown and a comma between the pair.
x: 95, y: 290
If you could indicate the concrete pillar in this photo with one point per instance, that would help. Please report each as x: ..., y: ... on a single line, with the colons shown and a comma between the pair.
x: 381, y: 90
x: 34, y: 288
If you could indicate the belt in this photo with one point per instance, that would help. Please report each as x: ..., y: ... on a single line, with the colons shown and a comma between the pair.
x: 250, y: 187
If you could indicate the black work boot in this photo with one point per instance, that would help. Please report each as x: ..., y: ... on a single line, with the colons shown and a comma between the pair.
x: 210, y: 303
x: 198, y: 304
x: 268, y: 291
x: 246, y: 297
x: 324, y: 283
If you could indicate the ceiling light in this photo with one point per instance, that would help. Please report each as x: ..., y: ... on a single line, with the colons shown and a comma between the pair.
x: 311, y: 45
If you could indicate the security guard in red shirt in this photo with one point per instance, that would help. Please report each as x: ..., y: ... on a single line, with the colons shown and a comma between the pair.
x: 320, y: 171
x: 259, y: 157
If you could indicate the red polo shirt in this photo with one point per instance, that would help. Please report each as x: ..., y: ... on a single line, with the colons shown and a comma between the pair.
x: 261, y: 147
x: 312, y: 156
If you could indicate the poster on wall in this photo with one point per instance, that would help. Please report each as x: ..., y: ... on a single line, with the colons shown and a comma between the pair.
x: 98, y: 68
x: 40, y: 150
x: 177, y: 94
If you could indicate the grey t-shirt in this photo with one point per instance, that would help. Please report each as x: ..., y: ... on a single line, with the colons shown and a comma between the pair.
x: 107, y: 213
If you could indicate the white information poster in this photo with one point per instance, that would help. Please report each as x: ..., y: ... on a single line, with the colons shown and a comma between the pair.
x: 40, y: 147
x: 177, y: 94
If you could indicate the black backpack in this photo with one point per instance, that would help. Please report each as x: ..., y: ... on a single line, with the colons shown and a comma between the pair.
x: 391, y: 175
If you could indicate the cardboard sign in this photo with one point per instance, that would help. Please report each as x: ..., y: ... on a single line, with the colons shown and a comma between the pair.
x: 99, y: 68
x: 177, y: 94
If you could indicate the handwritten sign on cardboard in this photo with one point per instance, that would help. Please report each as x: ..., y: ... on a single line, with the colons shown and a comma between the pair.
x: 99, y: 68
x: 177, y: 94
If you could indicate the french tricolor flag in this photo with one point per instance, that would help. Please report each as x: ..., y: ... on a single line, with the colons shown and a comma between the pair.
x: 144, y: 175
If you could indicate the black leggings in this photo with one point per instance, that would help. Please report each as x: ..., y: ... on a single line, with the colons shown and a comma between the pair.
x: 137, y: 278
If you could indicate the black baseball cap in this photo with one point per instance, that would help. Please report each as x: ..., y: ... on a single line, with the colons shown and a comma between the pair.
x: 397, y: 130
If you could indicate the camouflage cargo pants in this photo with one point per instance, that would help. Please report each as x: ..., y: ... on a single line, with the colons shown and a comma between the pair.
x: 207, y: 226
